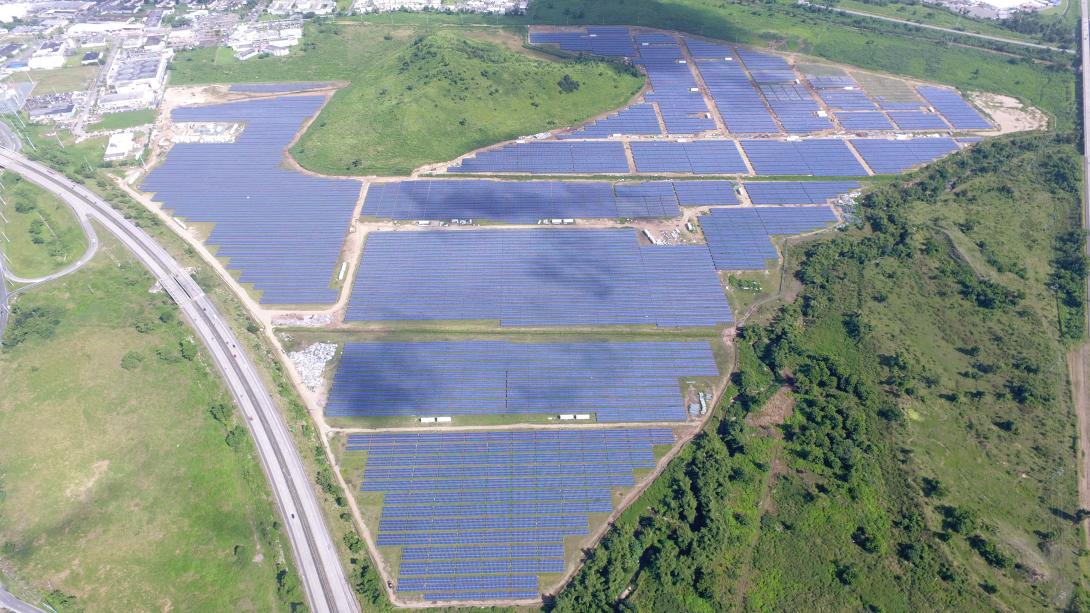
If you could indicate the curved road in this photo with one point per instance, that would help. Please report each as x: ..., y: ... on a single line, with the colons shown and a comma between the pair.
x: 998, y: 39
x: 320, y: 568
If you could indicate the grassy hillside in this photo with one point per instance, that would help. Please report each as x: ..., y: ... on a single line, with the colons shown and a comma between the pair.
x: 421, y: 99
x: 126, y: 481
x: 41, y: 233
x: 926, y: 460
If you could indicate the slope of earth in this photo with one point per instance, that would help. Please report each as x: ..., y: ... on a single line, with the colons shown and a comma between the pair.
x: 416, y: 98
x: 126, y: 481
x: 40, y: 234
x: 928, y: 460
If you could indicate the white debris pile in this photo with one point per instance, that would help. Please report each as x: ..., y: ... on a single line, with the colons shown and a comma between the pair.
x: 313, y: 320
x: 310, y: 363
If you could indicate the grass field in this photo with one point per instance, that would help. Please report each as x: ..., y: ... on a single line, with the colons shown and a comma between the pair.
x: 40, y: 233
x: 934, y: 15
x: 121, y: 488
x: 60, y: 80
x: 414, y: 100
x: 127, y: 119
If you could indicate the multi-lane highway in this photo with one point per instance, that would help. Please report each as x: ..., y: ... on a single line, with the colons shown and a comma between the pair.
x: 316, y: 557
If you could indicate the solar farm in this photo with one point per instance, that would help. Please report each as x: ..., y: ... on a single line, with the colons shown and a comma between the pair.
x: 525, y: 331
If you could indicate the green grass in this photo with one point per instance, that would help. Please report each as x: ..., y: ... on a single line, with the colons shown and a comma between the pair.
x: 416, y: 101
x: 40, y: 233
x: 120, y: 488
x: 127, y: 119
x: 60, y: 80
x: 931, y: 14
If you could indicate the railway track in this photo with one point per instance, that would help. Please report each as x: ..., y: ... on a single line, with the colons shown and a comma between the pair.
x: 322, y: 574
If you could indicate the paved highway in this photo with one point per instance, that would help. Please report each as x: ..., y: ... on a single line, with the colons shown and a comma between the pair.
x: 320, y: 568
x: 998, y: 39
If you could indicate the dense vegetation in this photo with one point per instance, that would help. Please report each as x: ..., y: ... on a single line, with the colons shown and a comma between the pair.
x: 40, y: 233
x: 927, y: 462
x: 417, y: 98
x: 128, y: 481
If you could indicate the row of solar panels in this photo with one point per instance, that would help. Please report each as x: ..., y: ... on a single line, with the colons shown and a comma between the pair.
x: 740, y: 238
x: 616, y: 381
x: 754, y: 92
x: 813, y: 157
x: 492, y: 550
x: 536, y: 278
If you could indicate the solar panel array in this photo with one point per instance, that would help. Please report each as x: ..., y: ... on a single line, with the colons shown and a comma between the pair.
x: 704, y: 49
x: 840, y: 81
x: 803, y: 192
x: 736, y: 97
x: 702, y: 193
x: 550, y: 157
x: 739, y: 238
x: 675, y: 89
x: 864, y: 120
x: 536, y: 277
x: 617, y: 382
x: 818, y: 157
x: 894, y: 156
x: 696, y: 157
x: 479, y: 515
x: 516, y: 202
x: 917, y: 120
x: 795, y: 108
x: 276, y: 88
x: 954, y: 108
x: 607, y: 41
x: 847, y: 100
x: 638, y: 119
x: 281, y: 229
x: 765, y: 67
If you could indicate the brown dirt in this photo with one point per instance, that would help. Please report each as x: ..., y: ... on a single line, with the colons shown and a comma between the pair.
x: 774, y: 413
x: 1009, y: 113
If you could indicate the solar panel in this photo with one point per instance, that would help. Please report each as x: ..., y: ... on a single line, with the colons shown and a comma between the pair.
x: 494, y: 551
x: 696, y: 157
x: 615, y: 381
x: 766, y: 68
x: 704, y: 49
x: 675, y: 90
x: 517, y: 201
x: 702, y: 193
x: 282, y: 230
x: 954, y: 108
x: 605, y: 41
x: 818, y: 157
x: 804, y: 192
x: 739, y: 238
x: 795, y: 108
x: 864, y: 120
x: 549, y: 157
x: 895, y: 156
x: 847, y: 100
x: 638, y: 119
x: 523, y: 278
x: 917, y: 120
x: 736, y: 97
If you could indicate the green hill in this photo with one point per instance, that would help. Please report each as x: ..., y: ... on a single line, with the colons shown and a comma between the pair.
x: 444, y: 95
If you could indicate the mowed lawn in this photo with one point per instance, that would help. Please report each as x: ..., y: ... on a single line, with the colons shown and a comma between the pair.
x: 125, y: 119
x: 40, y: 235
x: 119, y: 490
x: 416, y: 99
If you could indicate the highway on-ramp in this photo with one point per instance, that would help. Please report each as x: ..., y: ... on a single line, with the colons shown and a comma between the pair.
x: 316, y: 557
